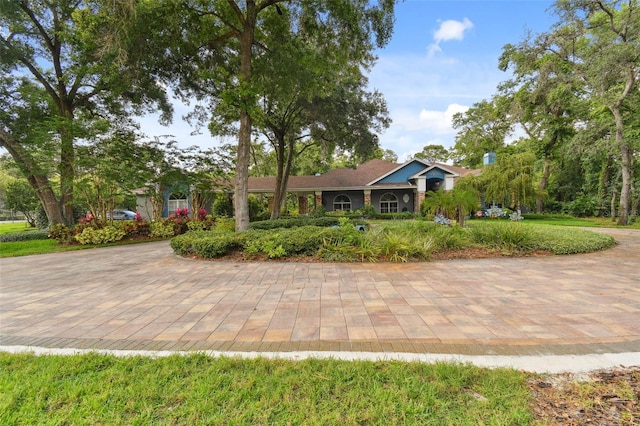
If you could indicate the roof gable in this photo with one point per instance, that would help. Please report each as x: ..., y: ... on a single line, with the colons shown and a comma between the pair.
x: 437, y: 171
x: 402, y: 173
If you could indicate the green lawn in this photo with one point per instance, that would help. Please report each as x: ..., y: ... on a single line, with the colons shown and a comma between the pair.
x: 197, y: 389
x: 25, y: 248
x: 563, y: 220
x: 10, y: 227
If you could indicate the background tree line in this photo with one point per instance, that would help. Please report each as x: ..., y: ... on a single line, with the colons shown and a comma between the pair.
x: 573, y: 102
x: 287, y: 79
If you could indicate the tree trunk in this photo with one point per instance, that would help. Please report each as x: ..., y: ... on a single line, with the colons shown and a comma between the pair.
x: 280, y: 188
x: 603, y: 186
x: 543, y: 184
x: 287, y: 170
x: 39, y: 182
x: 626, y: 155
x: 67, y: 174
x: 613, y: 206
x: 241, y: 192
x: 460, y: 212
x: 634, y: 204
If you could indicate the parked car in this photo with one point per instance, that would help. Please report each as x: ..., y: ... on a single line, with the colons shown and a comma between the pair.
x: 121, y: 214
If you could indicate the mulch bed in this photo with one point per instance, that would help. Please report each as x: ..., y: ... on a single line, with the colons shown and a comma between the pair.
x: 603, y: 397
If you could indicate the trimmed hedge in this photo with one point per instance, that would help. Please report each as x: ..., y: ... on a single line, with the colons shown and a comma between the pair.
x: 206, y: 244
x: 41, y: 234
x: 295, y: 222
x: 284, y: 242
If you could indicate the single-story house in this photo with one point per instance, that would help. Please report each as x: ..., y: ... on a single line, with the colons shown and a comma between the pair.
x: 388, y: 187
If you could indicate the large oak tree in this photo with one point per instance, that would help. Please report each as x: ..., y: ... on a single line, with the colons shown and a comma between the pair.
x: 57, y: 79
x: 208, y: 50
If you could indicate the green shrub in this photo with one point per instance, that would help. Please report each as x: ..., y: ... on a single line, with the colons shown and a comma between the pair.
x: 401, y: 244
x: 583, y: 206
x: 108, y: 234
x: 295, y: 222
x: 134, y: 228
x: 305, y: 240
x: 183, y: 244
x: 395, y: 216
x: 369, y: 211
x: 161, y: 230
x: 210, y: 247
x: 222, y: 205
x: 25, y: 236
x: 545, y: 216
x: 226, y: 224
x: 197, y: 225
x: 205, y: 244
x: 504, y: 235
x: 561, y: 240
x: 62, y: 233
x: 257, y: 210
x: 334, y: 248
x: 395, y: 247
x: 394, y: 243
x: 319, y: 211
x: 450, y: 238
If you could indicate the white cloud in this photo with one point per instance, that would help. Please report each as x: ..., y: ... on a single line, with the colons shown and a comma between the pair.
x: 449, y: 30
x: 452, y: 30
x: 440, y: 121
x: 413, y: 129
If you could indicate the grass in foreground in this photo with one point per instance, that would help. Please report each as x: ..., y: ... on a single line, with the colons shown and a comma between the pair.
x: 197, y: 389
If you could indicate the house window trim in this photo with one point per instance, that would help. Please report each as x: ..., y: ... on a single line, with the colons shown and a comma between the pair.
x: 389, y: 205
x: 177, y: 201
x: 339, y: 205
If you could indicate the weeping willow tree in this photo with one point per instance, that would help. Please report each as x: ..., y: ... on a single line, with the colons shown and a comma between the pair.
x: 455, y: 203
x: 510, y: 181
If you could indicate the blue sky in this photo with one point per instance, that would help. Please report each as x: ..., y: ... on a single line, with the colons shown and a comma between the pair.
x: 442, y: 59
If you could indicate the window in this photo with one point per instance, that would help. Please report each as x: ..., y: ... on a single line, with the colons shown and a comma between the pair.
x: 389, y: 203
x: 177, y: 201
x: 342, y: 202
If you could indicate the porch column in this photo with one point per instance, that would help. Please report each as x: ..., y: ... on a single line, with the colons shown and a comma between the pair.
x: 270, y: 203
x: 419, y: 198
x: 367, y: 197
x: 318, y: 199
x: 303, y: 204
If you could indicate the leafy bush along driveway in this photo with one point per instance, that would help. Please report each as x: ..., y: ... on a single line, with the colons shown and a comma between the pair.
x: 393, y: 241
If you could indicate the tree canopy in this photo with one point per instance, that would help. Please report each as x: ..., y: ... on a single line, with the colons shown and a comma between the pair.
x: 227, y: 53
x: 56, y: 89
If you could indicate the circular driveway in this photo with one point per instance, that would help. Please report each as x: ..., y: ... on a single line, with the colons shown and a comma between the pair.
x: 144, y: 297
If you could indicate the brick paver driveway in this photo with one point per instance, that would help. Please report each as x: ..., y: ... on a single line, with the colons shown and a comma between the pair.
x: 145, y: 297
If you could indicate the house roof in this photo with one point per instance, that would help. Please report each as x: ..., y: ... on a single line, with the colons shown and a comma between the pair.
x: 334, y: 179
x: 368, y: 175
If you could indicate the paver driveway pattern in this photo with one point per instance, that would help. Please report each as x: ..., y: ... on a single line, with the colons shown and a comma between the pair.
x: 145, y: 297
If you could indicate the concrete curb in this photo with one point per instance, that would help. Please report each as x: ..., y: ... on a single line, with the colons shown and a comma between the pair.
x: 552, y: 364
